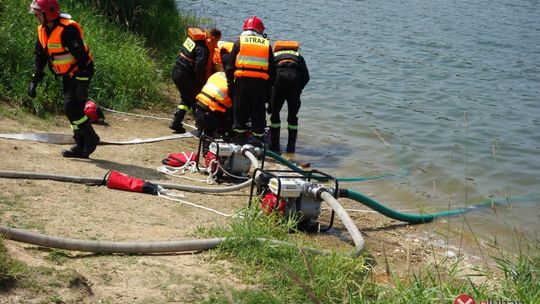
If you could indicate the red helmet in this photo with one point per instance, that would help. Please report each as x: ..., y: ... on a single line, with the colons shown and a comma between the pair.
x: 50, y: 8
x: 93, y: 111
x: 254, y: 23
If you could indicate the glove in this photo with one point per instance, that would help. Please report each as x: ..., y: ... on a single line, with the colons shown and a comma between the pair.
x: 81, y: 91
x: 32, y: 86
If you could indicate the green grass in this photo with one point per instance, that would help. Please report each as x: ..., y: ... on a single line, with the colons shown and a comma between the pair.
x: 293, y: 275
x: 11, y: 270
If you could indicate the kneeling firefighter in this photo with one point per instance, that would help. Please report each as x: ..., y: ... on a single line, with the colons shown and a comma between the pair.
x: 61, y: 44
x: 291, y: 77
x: 213, y: 113
x: 193, y: 67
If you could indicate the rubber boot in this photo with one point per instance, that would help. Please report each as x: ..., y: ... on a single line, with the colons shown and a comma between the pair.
x: 77, y: 149
x: 176, y: 124
x: 274, y: 144
x: 291, y: 142
x: 91, y: 139
x: 240, y: 138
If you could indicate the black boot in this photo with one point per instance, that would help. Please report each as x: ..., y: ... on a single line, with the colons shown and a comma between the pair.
x: 77, y: 149
x: 291, y: 142
x: 274, y: 137
x: 240, y: 138
x: 176, y: 124
x: 91, y: 139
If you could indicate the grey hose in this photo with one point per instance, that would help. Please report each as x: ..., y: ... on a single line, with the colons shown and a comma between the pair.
x: 251, y: 157
x: 346, y: 220
x: 122, y: 247
x: 100, y: 181
x: 204, y: 189
x: 55, y: 138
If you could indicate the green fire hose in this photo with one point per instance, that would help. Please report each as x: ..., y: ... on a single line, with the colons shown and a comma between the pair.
x: 408, y: 217
x: 295, y: 168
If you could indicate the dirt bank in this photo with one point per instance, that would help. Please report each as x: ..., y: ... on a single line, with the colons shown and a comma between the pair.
x: 98, y: 213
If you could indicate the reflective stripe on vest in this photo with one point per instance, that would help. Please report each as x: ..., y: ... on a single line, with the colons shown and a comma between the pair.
x: 252, y: 58
x: 290, y: 52
x: 214, y: 93
x: 62, y: 61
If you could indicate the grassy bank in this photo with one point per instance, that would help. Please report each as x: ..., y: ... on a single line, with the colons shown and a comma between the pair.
x: 133, y: 42
x: 293, y: 275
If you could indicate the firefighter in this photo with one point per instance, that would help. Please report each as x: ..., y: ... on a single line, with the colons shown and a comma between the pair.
x: 213, y: 113
x: 223, y: 48
x: 192, y: 69
x: 61, y: 45
x: 250, y: 72
x: 291, y: 77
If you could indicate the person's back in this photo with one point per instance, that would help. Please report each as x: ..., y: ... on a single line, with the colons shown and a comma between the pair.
x: 291, y: 77
x: 213, y: 113
x: 192, y: 69
x: 250, y: 71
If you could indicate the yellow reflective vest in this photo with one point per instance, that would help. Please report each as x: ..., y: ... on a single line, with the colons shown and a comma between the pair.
x: 214, y: 94
x: 62, y: 61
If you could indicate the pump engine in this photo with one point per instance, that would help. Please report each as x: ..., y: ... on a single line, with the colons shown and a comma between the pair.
x: 288, y: 193
x: 226, y: 160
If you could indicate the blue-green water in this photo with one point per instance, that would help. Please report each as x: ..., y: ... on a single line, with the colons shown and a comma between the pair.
x: 444, y: 92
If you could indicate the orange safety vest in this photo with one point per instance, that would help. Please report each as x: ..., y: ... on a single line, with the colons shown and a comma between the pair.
x: 62, y: 61
x: 186, y: 51
x: 286, y: 50
x: 252, y: 58
x: 214, y: 94
x: 193, y: 34
x: 222, y: 46
x: 286, y: 45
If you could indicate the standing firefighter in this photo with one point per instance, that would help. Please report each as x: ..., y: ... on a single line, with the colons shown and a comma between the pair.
x: 192, y: 69
x: 250, y: 72
x: 61, y: 44
x: 291, y: 77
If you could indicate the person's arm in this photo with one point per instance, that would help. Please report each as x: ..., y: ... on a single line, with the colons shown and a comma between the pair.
x: 304, y: 69
x: 72, y: 40
x: 271, y: 74
x: 271, y: 66
x: 229, y: 66
x: 40, y: 60
x: 201, y: 61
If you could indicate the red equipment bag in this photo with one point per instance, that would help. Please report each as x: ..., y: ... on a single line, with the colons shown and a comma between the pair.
x: 121, y: 181
x: 179, y: 159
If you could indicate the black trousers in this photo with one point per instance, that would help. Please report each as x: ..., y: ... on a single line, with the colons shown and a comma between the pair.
x: 287, y: 87
x: 186, y: 84
x: 212, y: 121
x: 75, y: 97
x: 250, y: 95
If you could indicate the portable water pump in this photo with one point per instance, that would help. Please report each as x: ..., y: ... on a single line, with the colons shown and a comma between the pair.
x: 290, y: 194
x: 226, y: 160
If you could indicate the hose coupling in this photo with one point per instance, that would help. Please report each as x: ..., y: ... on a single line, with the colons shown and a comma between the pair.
x: 314, y: 190
x: 247, y: 148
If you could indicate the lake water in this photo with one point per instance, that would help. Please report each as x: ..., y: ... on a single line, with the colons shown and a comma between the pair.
x: 443, y: 93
